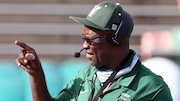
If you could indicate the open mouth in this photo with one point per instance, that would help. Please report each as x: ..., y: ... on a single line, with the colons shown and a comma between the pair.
x: 89, y: 54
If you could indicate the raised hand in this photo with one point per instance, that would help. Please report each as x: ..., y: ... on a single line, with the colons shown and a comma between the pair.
x: 28, y: 59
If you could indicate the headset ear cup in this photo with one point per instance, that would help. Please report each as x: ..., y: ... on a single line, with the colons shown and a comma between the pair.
x: 111, y: 38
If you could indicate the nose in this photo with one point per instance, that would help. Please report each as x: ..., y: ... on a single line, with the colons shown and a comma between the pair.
x: 85, y: 45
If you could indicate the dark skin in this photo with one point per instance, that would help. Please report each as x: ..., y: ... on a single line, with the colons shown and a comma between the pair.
x: 36, y: 74
x: 98, y: 53
x: 95, y: 51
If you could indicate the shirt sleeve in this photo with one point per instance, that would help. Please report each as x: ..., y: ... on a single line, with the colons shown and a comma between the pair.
x: 71, y: 90
x: 163, y: 94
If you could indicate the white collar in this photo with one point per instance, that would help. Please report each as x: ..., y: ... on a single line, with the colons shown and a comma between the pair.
x: 104, y: 75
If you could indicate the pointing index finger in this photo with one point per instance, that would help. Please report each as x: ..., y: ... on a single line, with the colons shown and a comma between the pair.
x: 23, y: 45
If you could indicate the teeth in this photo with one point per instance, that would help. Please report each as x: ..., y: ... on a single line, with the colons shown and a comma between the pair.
x: 89, y: 54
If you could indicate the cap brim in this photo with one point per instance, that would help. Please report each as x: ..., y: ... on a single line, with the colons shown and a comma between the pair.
x: 86, y: 22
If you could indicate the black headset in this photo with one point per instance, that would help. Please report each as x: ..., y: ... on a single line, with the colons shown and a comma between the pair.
x: 124, y: 29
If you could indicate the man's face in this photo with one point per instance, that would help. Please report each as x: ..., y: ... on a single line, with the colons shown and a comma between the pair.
x: 98, y: 49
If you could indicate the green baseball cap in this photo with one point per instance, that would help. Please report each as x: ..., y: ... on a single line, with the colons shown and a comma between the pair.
x: 108, y: 16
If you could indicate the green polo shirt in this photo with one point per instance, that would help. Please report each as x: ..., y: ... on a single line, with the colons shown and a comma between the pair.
x: 138, y: 85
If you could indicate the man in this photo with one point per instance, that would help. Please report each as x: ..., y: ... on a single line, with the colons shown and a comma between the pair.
x: 115, y: 72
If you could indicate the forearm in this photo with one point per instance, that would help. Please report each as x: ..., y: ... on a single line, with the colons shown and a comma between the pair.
x: 29, y: 61
x: 39, y: 87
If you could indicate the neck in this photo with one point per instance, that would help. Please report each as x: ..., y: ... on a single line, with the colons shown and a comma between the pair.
x: 120, y: 58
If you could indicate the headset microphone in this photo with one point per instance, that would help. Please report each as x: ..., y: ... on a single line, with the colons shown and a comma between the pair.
x: 78, y: 54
